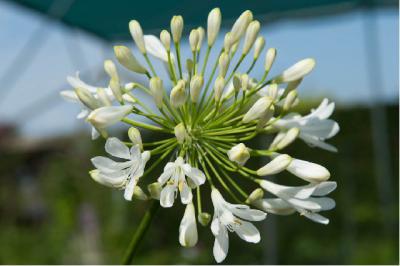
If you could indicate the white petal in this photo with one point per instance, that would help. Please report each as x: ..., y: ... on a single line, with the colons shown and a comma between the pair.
x: 307, y: 204
x: 186, y: 193
x: 130, y: 188
x: 248, y: 214
x: 196, y: 175
x: 316, y: 217
x: 188, y: 229
x: 324, y: 110
x: 221, y: 244
x: 76, y: 82
x: 84, y: 113
x: 315, y: 142
x: 107, y: 165
x: 108, y: 115
x: 258, y: 108
x: 70, y: 96
x: 167, y: 196
x: 308, y: 171
x: 324, y: 188
x: 324, y: 203
x: 286, y: 192
x: 117, y: 148
x: 248, y: 232
x: 275, y: 206
x: 215, y: 226
x: 95, y: 133
x: 115, y: 180
x: 166, y: 174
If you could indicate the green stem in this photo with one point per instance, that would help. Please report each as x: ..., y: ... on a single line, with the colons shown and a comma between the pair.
x: 140, y: 232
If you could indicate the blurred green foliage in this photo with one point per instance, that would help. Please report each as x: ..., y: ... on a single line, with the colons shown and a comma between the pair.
x: 51, y: 212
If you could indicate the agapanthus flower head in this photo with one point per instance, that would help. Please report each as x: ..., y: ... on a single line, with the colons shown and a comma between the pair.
x: 209, y: 109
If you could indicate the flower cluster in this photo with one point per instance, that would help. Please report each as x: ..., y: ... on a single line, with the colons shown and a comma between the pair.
x: 209, y: 110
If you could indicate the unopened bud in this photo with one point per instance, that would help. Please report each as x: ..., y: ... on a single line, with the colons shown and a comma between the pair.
x: 139, y: 194
x: 244, y: 78
x: 165, y: 39
x: 258, y: 46
x: 103, y: 97
x: 178, y: 94
x: 157, y: 90
x: 297, y: 71
x: 219, y: 85
x: 189, y: 65
x: 290, y: 100
x: 277, y: 165
x: 196, y: 83
x: 269, y: 58
x: 106, y: 116
x: 227, y: 42
x: 223, y: 64
x: 127, y: 59
x: 176, y: 28
x: 258, y: 108
x: 213, y: 25
x: 265, y: 117
x: 239, y: 154
x: 204, y: 218
x: 251, y: 35
x: 240, y: 25
x: 201, y: 32
x: 135, y: 137
x: 194, y: 40
x: 87, y: 98
x: 180, y: 133
x: 137, y: 35
x: 288, y: 138
x: 154, y: 190
x: 237, y: 82
x: 116, y: 89
x: 234, y: 48
x: 111, y: 70
x: 257, y: 194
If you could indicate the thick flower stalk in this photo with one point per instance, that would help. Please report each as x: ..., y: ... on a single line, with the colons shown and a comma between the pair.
x: 209, y: 110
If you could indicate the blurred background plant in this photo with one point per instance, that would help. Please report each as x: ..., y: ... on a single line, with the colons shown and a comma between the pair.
x: 51, y: 212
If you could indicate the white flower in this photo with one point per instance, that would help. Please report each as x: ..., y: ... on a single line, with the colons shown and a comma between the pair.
x: 188, y: 229
x: 315, y: 127
x: 232, y: 217
x: 174, y: 178
x: 258, y: 108
x: 296, y: 71
x: 122, y: 175
x: 298, y: 199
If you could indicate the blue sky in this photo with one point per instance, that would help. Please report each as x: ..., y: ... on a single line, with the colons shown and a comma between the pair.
x: 336, y: 42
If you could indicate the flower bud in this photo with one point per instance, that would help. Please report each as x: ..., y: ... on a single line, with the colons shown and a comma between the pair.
x: 196, y: 83
x: 126, y: 58
x: 234, y: 48
x: 297, y: 71
x: 223, y: 64
x: 290, y: 100
x: 251, y: 35
x: 180, y: 133
x: 204, y: 218
x: 165, y: 38
x: 137, y: 35
x: 239, y: 154
x: 106, y: 116
x: 288, y: 139
x: 265, y: 117
x: 154, y: 190
x: 240, y: 26
x: 103, y: 97
x: 116, y: 89
x: 258, y: 46
x: 157, y: 90
x: 244, y: 80
x: 111, y: 70
x: 187, y: 229
x: 277, y: 165
x: 139, y: 194
x: 227, y: 42
x: 269, y: 58
x: 258, y: 108
x: 201, y: 32
x: 193, y: 40
x: 237, y: 82
x: 257, y: 194
x: 176, y: 28
x: 308, y: 171
x: 135, y: 137
x: 178, y: 94
x: 87, y: 98
x: 219, y: 85
x: 213, y: 25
